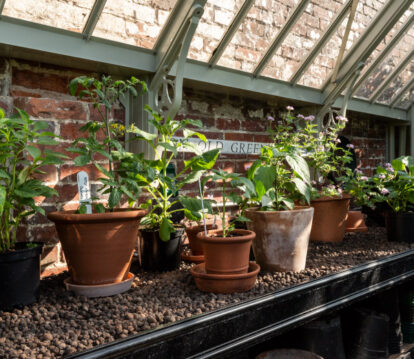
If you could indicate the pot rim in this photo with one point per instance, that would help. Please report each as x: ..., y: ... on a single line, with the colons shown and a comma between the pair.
x: 198, y: 227
x: 20, y: 254
x: 344, y: 196
x: 296, y: 209
x: 254, y: 269
x: 120, y: 214
x: 245, y: 235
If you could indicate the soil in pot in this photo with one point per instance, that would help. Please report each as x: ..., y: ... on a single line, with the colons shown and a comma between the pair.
x: 282, y: 238
x: 20, y: 276
x: 195, y: 243
x: 329, y: 219
x: 157, y: 255
x: 227, y: 255
x: 98, y: 247
x: 400, y: 226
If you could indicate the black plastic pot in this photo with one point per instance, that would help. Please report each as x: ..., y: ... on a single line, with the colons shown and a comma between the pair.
x: 400, y: 226
x: 157, y: 255
x: 19, y: 276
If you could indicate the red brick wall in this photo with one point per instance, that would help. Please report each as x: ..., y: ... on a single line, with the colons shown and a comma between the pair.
x: 42, y: 91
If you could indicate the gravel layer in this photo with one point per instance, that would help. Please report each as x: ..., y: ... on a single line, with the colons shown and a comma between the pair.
x: 61, y: 323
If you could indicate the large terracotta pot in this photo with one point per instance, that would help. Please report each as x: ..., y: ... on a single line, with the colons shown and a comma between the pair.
x: 98, y: 247
x: 195, y: 243
x: 282, y: 238
x: 229, y: 255
x: 329, y: 219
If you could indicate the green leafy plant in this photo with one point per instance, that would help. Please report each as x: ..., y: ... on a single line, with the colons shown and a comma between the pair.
x: 153, y: 176
x: 21, y: 159
x: 103, y: 138
x: 395, y: 184
x: 361, y: 188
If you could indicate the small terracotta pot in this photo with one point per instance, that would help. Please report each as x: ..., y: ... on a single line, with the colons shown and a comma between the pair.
x: 195, y: 243
x: 98, y: 247
x: 355, y: 222
x: 225, y: 283
x: 329, y: 219
x: 282, y: 238
x: 228, y: 255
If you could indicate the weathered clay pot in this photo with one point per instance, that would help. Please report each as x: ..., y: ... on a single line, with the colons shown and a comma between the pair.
x: 225, y: 283
x: 329, y: 219
x: 355, y: 222
x: 282, y: 238
x: 98, y: 247
x: 228, y: 255
x: 195, y: 243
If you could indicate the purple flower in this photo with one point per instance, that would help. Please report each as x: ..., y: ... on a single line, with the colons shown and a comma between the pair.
x: 342, y: 119
x: 364, y: 178
x: 300, y: 116
x: 289, y: 108
x: 270, y: 118
x: 337, y: 140
x: 309, y: 118
x: 358, y: 171
x: 350, y: 146
x: 388, y: 164
x: 381, y: 176
x: 384, y: 191
x: 314, y: 182
x: 340, y: 190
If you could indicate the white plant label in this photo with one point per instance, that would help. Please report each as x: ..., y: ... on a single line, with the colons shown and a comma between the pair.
x: 84, y: 190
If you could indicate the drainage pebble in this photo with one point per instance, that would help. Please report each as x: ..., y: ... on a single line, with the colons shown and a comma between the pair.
x: 61, y: 323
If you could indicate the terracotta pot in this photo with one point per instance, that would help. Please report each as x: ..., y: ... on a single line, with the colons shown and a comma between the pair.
x: 98, y: 247
x: 329, y: 219
x: 355, y: 222
x: 228, y: 255
x: 225, y: 283
x: 282, y: 238
x: 195, y: 243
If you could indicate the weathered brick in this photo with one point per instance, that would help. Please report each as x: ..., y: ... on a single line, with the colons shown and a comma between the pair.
x: 227, y: 124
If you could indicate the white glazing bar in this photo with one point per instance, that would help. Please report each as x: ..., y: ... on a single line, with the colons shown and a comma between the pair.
x: 384, y: 85
x: 280, y: 37
x: 411, y: 119
x: 228, y: 36
x: 384, y: 53
x: 321, y: 43
x: 93, y: 18
x: 402, y: 142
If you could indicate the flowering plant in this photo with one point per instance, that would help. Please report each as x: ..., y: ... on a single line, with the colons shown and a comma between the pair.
x: 361, y: 188
x: 395, y: 184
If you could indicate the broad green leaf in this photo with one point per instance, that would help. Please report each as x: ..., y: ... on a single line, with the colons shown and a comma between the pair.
x: 288, y: 203
x: 128, y: 193
x: 2, y: 114
x: 300, y: 166
x: 192, y: 216
x: 168, y: 147
x: 25, y: 193
x: 410, y: 196
x: 2, y: 199
x: 398, y: 165
x: 260, y: 189
x: 82, y: 160
x: 83, y: 208
x: 99, y: 208
x: 266, y: 175
x: 142, y: 134
x: 114, y: 198
x: 303, y: 188
x: 40, y: 125
x: 4, y: 174
x: 166, y: 229
x: 205, y: 161
x: 48, y: 141
x: 34, y: 152
x: 189, y: 133
x: 193, y: 147
x: 192, y: 177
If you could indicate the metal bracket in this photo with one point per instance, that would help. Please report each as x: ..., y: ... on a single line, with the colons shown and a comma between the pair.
x: 168, y: 92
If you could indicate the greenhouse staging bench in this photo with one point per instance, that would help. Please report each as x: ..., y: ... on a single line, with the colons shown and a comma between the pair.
x: 165, y: 316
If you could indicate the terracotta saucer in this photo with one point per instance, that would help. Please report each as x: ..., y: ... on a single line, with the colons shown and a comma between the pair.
x: 225, y: 283
x: 100, y: 290
x: 357, y: 229
x: 186, y: 255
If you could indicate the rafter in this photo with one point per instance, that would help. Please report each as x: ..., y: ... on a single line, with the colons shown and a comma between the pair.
x: 281, y: 36
x: 93, y: 18
x: 387, y: 81
x: 321, y: 43
x: 401, y: 92
x: 228, y: 36
x: 2, y: 2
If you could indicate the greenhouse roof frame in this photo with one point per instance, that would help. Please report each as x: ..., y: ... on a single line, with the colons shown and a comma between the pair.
x: 46, y: 40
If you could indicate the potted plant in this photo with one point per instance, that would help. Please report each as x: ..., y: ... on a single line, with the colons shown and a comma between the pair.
x: 160, y: 238
x: 22, y: 155
x: 281, y: 179
x: 226, y: 268
x: 329, y: 163
x: 395, y: 185
x: 98, y: 246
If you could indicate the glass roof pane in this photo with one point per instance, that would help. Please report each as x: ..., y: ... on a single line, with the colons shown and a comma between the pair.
x: 134, y: 22
x: 261, y: 25
x: 68, y: 15
x: 406, y: 100
x: 397, y: 84
x: 215, y: 21
x: 303, y: 36
x: 398, y: 53
x: 319, y: 71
